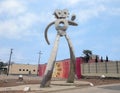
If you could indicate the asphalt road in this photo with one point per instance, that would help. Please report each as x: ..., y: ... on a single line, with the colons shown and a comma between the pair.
x: 113, y: 88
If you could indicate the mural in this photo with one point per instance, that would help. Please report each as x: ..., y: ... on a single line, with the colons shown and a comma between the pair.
x: 61, y: 68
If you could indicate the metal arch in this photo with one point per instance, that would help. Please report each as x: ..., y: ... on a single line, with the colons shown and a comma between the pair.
x: 46, y: 30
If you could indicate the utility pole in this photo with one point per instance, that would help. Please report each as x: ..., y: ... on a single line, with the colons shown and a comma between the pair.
x: 11, y: 51
x: 39, y: 62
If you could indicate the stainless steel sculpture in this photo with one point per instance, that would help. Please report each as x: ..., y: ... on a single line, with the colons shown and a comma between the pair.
x: 61, y: 25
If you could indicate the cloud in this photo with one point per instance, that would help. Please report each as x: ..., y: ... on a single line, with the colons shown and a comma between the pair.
x: 114, y: 11
x: 4, y: 51
x: 8, y: 28
x: 16, y: 55
x: 21, y: 19
x: 72, y: 2
x: 27, y: 20
x: 18, y: 27
x: 82, y: 3
x: 4, y: 54
x: 12, y: 7
x: 18, y: 21
x: 87, y: 14
x: 87, y: 10
x: 68, y: 2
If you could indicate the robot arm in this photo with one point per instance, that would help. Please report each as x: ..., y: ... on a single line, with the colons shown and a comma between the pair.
x: 72, y: 23
x: 46, y: 30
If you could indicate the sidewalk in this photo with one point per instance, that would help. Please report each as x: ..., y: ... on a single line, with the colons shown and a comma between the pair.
x: 112, y: 88
x: 63, y: 87
x: 55, y: 86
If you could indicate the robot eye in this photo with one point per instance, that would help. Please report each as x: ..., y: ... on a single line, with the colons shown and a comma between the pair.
x: 59, y: 13
x: 65, y: 13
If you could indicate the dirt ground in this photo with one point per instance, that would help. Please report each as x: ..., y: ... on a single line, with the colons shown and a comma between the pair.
x: 14, y: 82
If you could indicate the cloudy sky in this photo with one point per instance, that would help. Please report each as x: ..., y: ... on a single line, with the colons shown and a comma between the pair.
x: 22, y: 25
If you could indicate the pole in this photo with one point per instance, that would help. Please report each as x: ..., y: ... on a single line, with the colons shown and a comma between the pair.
x: 39, y: 62
x: 9, y: 61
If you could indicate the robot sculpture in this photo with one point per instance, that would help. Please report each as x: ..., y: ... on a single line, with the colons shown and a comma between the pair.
x: 61, y: 24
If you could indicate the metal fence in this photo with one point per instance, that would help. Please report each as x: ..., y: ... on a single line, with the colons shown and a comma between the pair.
x: 109, y: 69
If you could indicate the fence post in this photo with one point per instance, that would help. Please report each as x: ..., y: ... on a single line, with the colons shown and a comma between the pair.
x: 88, y: 67
x: 106, y: 67
x: 82, y: 68
x: 96, y: 67
x: 117, y: 68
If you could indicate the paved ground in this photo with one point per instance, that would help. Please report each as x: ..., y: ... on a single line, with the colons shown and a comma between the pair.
x: 55, y: 86
x: 113, y: 88
x: 62, y: 87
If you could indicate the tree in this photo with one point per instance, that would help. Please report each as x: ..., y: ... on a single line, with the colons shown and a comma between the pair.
x: 106, y: 59
x: 1, y: 64
x: 96, y: 58
x: 88, y: 54
x: 101, y: 59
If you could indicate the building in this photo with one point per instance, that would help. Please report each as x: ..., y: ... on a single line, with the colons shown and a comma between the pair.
x: 61, y: 68
x: 24, y: 69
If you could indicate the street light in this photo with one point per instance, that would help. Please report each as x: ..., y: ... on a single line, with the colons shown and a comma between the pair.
x: 11, y: 51
x: 38, y: 62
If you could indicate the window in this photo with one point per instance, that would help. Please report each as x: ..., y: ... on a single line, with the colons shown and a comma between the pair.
x: 23, y: 69
x: 34, y: 70
x: 26, y: 69
x: 19, y: 69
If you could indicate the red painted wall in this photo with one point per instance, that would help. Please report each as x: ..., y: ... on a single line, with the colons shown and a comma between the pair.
x: 66, y: 68
x: 41, y: 70
x: 63, y: 68
x: 78, y: 67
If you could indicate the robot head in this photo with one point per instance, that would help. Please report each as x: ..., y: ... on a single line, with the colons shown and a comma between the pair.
x: 59, y: 14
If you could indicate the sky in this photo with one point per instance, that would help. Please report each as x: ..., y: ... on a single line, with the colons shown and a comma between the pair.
x: 23, y: 22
